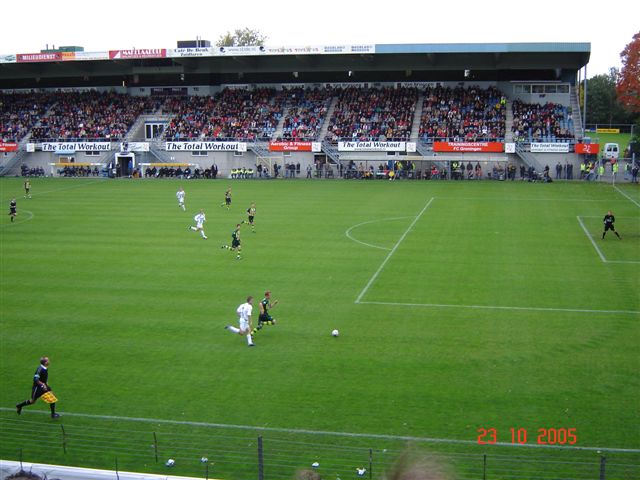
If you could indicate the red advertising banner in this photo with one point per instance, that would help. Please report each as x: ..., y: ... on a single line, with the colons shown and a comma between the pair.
x: 39, y: 57
x: 290, y: 146
x: 588, y: 148
x: 138, y: 53
x: 482, y: 147
x: 8, y: 147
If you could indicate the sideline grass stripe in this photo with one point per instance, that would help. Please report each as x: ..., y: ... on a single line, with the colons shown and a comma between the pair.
x: 329, y: 433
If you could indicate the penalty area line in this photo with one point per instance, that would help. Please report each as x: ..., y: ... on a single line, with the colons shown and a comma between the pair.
x: 323, y: 432
x: 393, y: 250
x: 586, y: 232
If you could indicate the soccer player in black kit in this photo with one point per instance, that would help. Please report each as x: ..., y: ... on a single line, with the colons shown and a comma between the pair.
x: 265, y: 317
x: 40, y: 387
x: 13, y: 209
x: 609, y: 220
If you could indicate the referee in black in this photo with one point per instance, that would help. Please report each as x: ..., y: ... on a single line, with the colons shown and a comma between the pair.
x: 40, y: 387
x: 609, y: 220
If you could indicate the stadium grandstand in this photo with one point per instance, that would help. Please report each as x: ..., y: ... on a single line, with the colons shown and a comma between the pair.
x: 340, y: 109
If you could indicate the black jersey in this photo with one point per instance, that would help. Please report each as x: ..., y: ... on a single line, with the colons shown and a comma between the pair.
x: 12, y: 206
x: 41, y: 375
x: 609, y: 220
x: 251, y: 211
x: 235, y: 236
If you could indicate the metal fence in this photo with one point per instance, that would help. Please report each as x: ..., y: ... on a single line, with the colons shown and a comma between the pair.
x: 237, y: 452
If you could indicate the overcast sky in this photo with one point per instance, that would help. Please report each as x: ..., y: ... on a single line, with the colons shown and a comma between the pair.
x: 28, y: 26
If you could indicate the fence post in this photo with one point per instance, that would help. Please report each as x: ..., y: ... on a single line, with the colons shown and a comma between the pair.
x: 64, y: 439
x: 21, y: 468
x: 155, y: 445
x: 603, y: 461
x: 117, y: 474
x: 370, y: 463
x: 260, y: 459
x: 484, y: 467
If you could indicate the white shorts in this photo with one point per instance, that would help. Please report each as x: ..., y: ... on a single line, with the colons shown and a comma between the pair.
x: 199, y: 225
x: 244, y: 324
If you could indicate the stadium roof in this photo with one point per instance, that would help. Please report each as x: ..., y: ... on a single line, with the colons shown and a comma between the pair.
x: 325, y: 63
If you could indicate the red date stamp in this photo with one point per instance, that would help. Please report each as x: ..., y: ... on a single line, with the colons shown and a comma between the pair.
x: 543, y: 436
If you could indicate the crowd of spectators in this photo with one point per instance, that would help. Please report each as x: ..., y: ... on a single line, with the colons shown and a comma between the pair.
x: 231, y: 114
x: 19, y: 112
x: 462, y: 114
x: 306, y: 113
x: 533, y: 122
x: 93, y: 115
x: 373, y: 114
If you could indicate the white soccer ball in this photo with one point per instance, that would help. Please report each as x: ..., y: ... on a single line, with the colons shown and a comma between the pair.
x: 335, y: 333
x: 204, y: 460
x: 170, y: 463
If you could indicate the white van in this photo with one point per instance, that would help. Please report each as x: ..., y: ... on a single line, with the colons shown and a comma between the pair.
x: 611, y: 151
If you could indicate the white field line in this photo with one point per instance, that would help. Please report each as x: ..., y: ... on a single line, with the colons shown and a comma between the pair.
x: 30, y: 216
x: 627, y: 196
x: 348, y: 231
x: 594, y: 243
x: 69, y: 187
x: 532, y: 199
x: 502, y: 307
x: 389, y: 255
x: 586, y: 232
x: 320, y: 432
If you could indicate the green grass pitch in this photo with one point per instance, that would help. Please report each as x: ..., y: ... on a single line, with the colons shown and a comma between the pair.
x: 460, y: 306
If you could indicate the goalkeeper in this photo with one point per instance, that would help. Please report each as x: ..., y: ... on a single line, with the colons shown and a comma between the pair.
x: 41, y: 389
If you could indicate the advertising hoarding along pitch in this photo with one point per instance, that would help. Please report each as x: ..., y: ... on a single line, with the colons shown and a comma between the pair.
x: 472, y: 147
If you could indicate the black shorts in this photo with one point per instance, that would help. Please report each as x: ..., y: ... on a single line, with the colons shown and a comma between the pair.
x: 250, y: 219
x: 609, y: 226
x: 264, y: 317
x: 12, y: 211
x: 37, y: 391
x: 235, y: 243
x: 227, y: 200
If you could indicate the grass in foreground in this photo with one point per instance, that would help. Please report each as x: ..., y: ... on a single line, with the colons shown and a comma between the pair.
x: 104, y: 277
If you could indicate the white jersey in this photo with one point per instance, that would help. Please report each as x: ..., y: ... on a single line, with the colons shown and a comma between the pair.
x: 244, y: 311
x: 200, y: 219
x: 180, y: 196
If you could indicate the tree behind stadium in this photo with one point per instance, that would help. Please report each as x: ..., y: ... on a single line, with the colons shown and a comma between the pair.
x: 242, y: 38
x: 628, y: 87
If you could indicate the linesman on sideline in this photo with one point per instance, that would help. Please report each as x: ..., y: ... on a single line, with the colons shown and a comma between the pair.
x: 13, y: 209
x: 227, y: 199
x: 40, y: 388
x: 265, y: 318
x: 251, y: 214
x: 609, y: 220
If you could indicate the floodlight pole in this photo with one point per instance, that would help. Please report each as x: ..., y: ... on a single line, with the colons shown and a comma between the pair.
x: 584, y: 106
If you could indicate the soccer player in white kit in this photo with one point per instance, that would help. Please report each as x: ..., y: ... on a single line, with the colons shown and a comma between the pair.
x: 199, y: 219
x: 180, y: 196
x: 244, y: 320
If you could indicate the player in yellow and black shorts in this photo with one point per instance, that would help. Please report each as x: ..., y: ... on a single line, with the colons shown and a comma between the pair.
x: 251, y: 215
x: 235, y: 242
x: 265, y: 318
